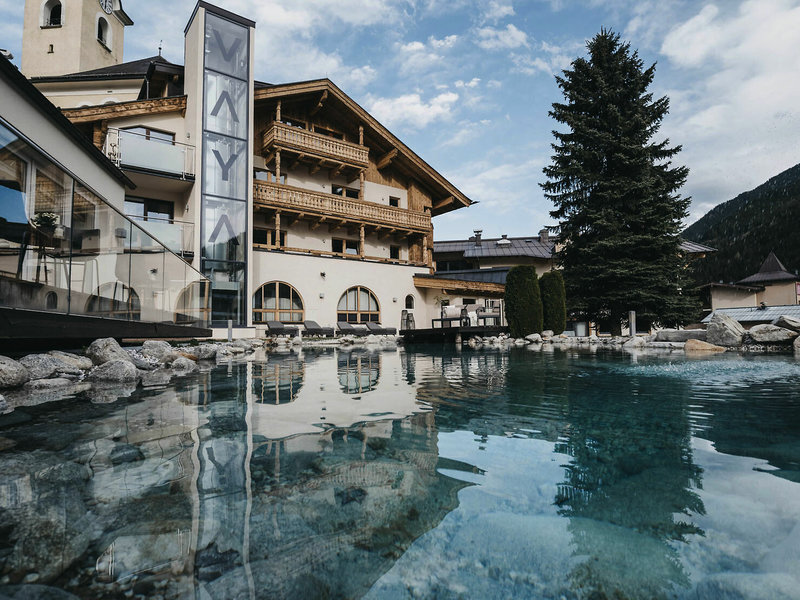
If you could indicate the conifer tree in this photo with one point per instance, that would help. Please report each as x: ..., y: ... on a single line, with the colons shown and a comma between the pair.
x: 616, y: 191
x: 554, y: 307
x: 523, y: 301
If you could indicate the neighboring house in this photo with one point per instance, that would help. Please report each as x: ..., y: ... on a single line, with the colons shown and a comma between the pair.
x: 291, y: 198
x: 772, y: 285
x: 71, y: 265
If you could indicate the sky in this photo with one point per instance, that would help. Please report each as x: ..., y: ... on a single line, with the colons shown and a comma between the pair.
x: 467, y: 84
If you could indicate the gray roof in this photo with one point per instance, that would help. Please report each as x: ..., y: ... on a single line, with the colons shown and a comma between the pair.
x: 531, y: 247
x: 771, y: 271
x: 497, y: 275
x: 752, y: 314
x: 694, y: 248
x: 133, y: 69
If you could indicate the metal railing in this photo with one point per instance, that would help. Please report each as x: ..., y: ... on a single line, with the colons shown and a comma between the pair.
x: 301, y: 140
x: 275, y: 195
x: 137, y: 150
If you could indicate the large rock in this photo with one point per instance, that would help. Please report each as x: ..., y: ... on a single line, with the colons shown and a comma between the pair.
x: 771, y: 334
x: 634, y: 342
x: 107, y: 349
x: 787, y: 323
x: 12, y: 373
x: 156, y: 349
x: 183, y: 365
x: 693, y: 345
x: 115, y: 370
x: 724, y: 331
x: 797, y: 345
x: 40, y: 385
x: 206, y: 351
x: 73, y: 360
x: 41, y: 366
x: 680, y: 335
x: 534, y: 338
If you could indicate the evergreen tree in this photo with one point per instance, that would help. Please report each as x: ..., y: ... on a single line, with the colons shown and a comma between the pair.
x: 616, y: 191
x: 523, y: 301
x: 554, y: 306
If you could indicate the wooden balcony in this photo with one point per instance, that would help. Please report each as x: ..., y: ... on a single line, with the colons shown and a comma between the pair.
x: 332, y: 209
x: 314, y: 146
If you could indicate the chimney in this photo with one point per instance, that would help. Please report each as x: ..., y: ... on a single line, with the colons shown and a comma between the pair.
x: 544, y: 236
x: 478, y: 233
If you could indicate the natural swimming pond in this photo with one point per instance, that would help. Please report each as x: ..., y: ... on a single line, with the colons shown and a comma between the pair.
x: 405, y: 474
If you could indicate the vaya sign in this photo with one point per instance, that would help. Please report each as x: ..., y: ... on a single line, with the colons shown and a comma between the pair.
x: 226, y: 164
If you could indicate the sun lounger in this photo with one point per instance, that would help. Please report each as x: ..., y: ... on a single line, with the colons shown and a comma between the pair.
x: 377, y: 329
x: 347, y: 329
x: 278, y: 328
x: 313, y: 328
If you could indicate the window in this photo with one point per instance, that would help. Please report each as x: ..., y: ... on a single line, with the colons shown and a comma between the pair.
x: 469, y: 301
x: 156, y: 135
x: 329, y: 133
x: 145, y: 209
x: 394, y: 201
x: 347, y: 192
x: 344, y: 246
x: 103, y: 32
x: 358, y: 305
x: 394, y: 252
x: 410, y: 302
x: 293, y: 123
x: 266, y: 237
x: 277, y: 301
x: 52, y: 14
x: 269, y: 176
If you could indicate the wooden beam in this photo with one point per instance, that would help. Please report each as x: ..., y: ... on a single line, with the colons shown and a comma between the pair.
x: 294, y: 219
x: 322, y: 99
x: 458, y: 285
x: 134, y: 108
x: 314, y: 169
x: 444, y: 202
x: 316, y: 224
x: 269, y: 157
x: 385, y: 160
x: 297, y: 161
x: 334, y: 173
x: 388, y: 233
x: 336, y: 226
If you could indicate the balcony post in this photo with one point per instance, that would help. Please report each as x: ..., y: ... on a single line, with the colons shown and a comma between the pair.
x: 361, y: 242
x: 277, y: 166
x: 278, y: 112
x: 277, y: 239
x: 361, y: 185
x: 361, y: 135
x: 425, y: 249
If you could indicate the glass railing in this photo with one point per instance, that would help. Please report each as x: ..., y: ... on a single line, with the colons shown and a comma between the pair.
x: 131, y: 149
x: 64, y: 249
x: 178, y: 236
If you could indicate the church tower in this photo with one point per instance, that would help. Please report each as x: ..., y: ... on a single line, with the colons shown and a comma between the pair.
x: 60, y: 37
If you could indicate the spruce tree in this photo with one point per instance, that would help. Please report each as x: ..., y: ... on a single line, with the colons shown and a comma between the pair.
x: 523, y: 301
x: 616, y: 191
x: 554, y: 307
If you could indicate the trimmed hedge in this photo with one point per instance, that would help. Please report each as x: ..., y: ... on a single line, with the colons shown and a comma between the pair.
x: 554, y: 301
x: 523, y: 301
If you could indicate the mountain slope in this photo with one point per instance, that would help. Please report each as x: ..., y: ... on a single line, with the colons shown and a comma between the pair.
x: 744, y: 230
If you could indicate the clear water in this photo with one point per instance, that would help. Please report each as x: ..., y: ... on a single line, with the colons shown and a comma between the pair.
x: 402, y: 474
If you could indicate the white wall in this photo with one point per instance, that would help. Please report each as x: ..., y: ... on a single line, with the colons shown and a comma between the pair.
x: 303, y: 273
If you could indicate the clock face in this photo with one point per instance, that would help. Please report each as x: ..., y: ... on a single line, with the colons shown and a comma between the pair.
x: 107, y: 6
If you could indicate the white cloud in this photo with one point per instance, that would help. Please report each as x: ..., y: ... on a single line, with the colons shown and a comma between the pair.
x: 472, y: 83
x: 446, y: 42
x: 411, y: 111
x: 497, y: 10
x: 490, y: 38
x: 416, y: 58
x: 735, y: 101
x: 551, y: 59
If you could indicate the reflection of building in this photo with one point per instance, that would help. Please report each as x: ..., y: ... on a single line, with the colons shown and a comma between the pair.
x: 66, y: 252
x: 292, y: 199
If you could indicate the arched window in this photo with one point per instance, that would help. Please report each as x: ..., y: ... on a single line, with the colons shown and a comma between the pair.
x: 277, y: 301
x: 116, y: 301
x: 52, y: 14
x: 410, y: 302
x: 358, y: 373
x: 51, y: 301
x: 103, y: 32
x: 358, y: 305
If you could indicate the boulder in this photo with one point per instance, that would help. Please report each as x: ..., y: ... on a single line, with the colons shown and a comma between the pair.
x: 547, y: 333
x: 155, y: 378
x: 206, y: 351
x: 634, y: 342
x: 797, y: 345
x: 104, y: 350
x: 724, y: 331
x: 73, y: 360
x: 771, y: 334
x: 156, y: 349
x: 40, y: 366
x: 680, y: 335
x: 39, y: 385
x: 12, y: 373
x: 534, y: 338
x: 115, y: 370
x: 184, y: 365
x: 787, y: 322
x: 693, y: 345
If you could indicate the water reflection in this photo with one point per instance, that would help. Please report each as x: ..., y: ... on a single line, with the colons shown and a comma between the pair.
x: 401, y: 474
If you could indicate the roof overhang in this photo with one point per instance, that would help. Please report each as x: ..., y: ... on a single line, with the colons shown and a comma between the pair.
x: 447, y: 197
x: 459, y: 286
x: 103, y: 112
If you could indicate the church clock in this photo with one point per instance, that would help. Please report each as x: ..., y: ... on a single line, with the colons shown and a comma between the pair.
x: 107, y: 6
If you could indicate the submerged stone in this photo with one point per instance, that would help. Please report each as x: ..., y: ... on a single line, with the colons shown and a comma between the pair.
x: 125, y: 453
x: 48, y: 384
x: 12, y: 373
x: 694, y: 345
x: 78, y: 362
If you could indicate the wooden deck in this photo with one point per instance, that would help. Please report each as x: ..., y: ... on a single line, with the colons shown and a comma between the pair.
x: 448, y: 335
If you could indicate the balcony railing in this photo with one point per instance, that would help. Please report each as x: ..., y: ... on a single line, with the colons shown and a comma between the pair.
x: 329, y: 206
x: 129, y: 149
x: 178, y: 236
x: 307, y: 142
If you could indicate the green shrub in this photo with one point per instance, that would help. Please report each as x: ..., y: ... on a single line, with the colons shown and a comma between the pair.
x: 523, y: 301
x: 554, y: 301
